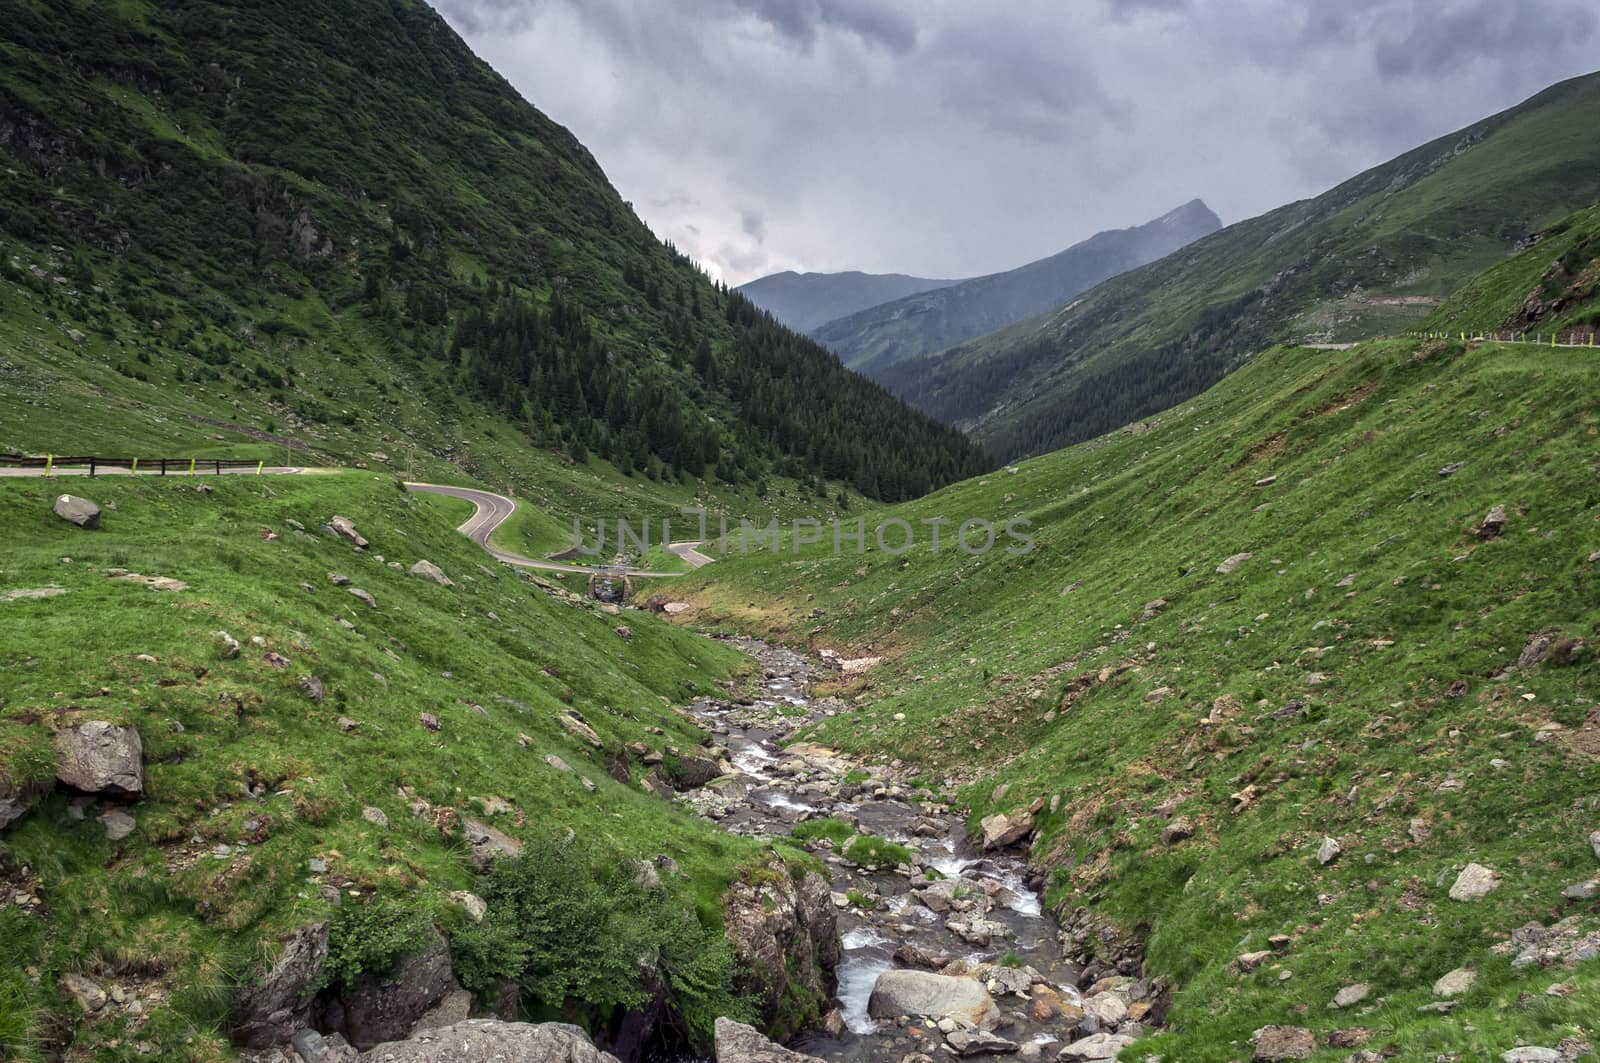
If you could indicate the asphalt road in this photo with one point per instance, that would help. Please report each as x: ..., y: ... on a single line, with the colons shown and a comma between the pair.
x: 494, y: 510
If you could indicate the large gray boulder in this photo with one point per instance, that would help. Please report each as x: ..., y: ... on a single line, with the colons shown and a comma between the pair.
x: 79, y: 511
x: 934, y: 996
x: 387, y: 1008
x: 429, y: 570
x: 479, y: 1040
x: 738, y: 1043
x: 270, y: 1006
x: 98, y: 757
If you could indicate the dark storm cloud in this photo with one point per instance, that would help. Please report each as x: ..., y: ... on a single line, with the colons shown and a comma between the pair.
x: 947, y: 138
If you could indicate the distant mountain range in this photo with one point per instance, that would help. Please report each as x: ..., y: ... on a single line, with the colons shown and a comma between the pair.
x: 804, y: 301
x: 880, y: 336
x: 874, y: 320
x: 1372, y: 256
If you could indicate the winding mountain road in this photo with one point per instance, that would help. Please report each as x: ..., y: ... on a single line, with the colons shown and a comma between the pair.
x: 493, y: 510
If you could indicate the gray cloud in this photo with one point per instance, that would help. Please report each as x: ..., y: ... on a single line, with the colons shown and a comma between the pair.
x: 946, y: 138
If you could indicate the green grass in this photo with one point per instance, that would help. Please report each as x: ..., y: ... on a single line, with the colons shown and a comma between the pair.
x: 1352, y: 667
x: 494, y: 658
x: 869, y: 850
x: 836, y: 831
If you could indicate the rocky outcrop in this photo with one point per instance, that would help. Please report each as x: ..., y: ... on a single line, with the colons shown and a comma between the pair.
x: 786, y: 944
x: 271, y: 1005
x: 79, y: 511
x: 15, y: 800
x: 387, y: 1008
x: 98, y: 757
x: 738, y: 1043
x: 933, y: 996
x: 477, y: 1040
x: 1000, y: 830
x: 345, y: 528
x: 1275, y: 1043
x: 488, y: 843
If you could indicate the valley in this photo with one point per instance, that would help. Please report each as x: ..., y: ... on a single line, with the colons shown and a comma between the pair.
x: 1262, y: 724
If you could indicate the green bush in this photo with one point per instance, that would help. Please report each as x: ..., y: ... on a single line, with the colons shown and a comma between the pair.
x: 370, y: 939
x: 835, y: 830
x: 869, y: 850
x: 566, y: 925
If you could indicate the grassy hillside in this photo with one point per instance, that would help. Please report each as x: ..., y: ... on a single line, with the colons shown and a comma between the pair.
x: 329, y: 202
x: 1355, y: 675
x: 874, y: 339
x: 1371, y: 257
x: 803, y: 301
x: 248, y: 778
x: 1553, y: 286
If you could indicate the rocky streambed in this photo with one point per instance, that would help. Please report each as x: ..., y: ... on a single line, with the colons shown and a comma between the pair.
x: 946, y: 947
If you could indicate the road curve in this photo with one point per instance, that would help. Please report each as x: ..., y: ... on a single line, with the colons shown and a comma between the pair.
x: 494, y: 510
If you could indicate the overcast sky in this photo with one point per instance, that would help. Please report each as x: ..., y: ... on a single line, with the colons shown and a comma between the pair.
x: 951, y: 137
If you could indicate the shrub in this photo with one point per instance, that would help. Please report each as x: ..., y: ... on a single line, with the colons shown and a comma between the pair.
x: 370, y: 939
x: 869, y: 850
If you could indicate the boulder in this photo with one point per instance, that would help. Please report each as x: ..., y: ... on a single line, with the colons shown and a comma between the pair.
x: 379, y: 1009
x: 934, y: 996
x: 364, y: 596
x: 1455, y: 983
x: 101, y: 758
x: 88, y: 995
x: 1350, y: 994
x: 1178, y: 830
x: 1474, y: 881
x: 79, y: 511
x: 1001, y: 830
x: 737, y: 1043
x: 575, y: 726
x: 312, y: 688
x: 690, y: 772
x: 276, y: 1001
x: 1329, y: 851
x: 118, y: 824
x: 429, y: 570
x: 1275, y: 1043
x: 1532, y: 1054
x: 477, y: 1040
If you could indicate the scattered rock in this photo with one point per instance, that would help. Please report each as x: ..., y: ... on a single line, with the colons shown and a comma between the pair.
x: 1266, y: 481
x: 1474, y: 881
x: 375, y: 816
x: 1328, y: 851
x: 624, y: 631
x: 345, y: 528
x: 79, y: 511
x: 556, y: 762
x: 101, y: 758
x: 1493, y: 523
x: 933, y: 996
x: 430, y: 721
x: 738, y: 1043
x: 1350, y: 994
x: 574, y: 725
x: 338, y: 579
x: 1351, y: 1038
x: 1455, y: 983
x: 346, y: 724
x: 87, y: 993
x: 1249, y: 961
x: 276, y: 660
x: 372, y: 603
x: 429, y: 570
x: 1582, y: 891
x: 154, y: 583
x: 474, y: 905
x: 1275, y: 1043
x: 118, y: 824
x: 488, y: 843
x: 32, y: 594
x: 1097, y: 1047
x: 1450, y: 470
x: 979, y: 1043
x: 1231, y: 563
x: 1176, y: 831
x: 1531, y: 1054
x: 477, y: 1040
x: 312, y: 687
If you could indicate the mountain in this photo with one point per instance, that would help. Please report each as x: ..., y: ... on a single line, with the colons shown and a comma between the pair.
x: 803, y: 301
x: 1373, y: 255
x: 321, y: 208
x: 876, y: 338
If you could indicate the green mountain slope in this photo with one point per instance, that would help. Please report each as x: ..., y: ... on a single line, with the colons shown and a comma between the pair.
x: 1372, y: 256
x: 802, y: 301
x: 1368, y: 667
x: 881, y: 336
x: 245, y: 193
